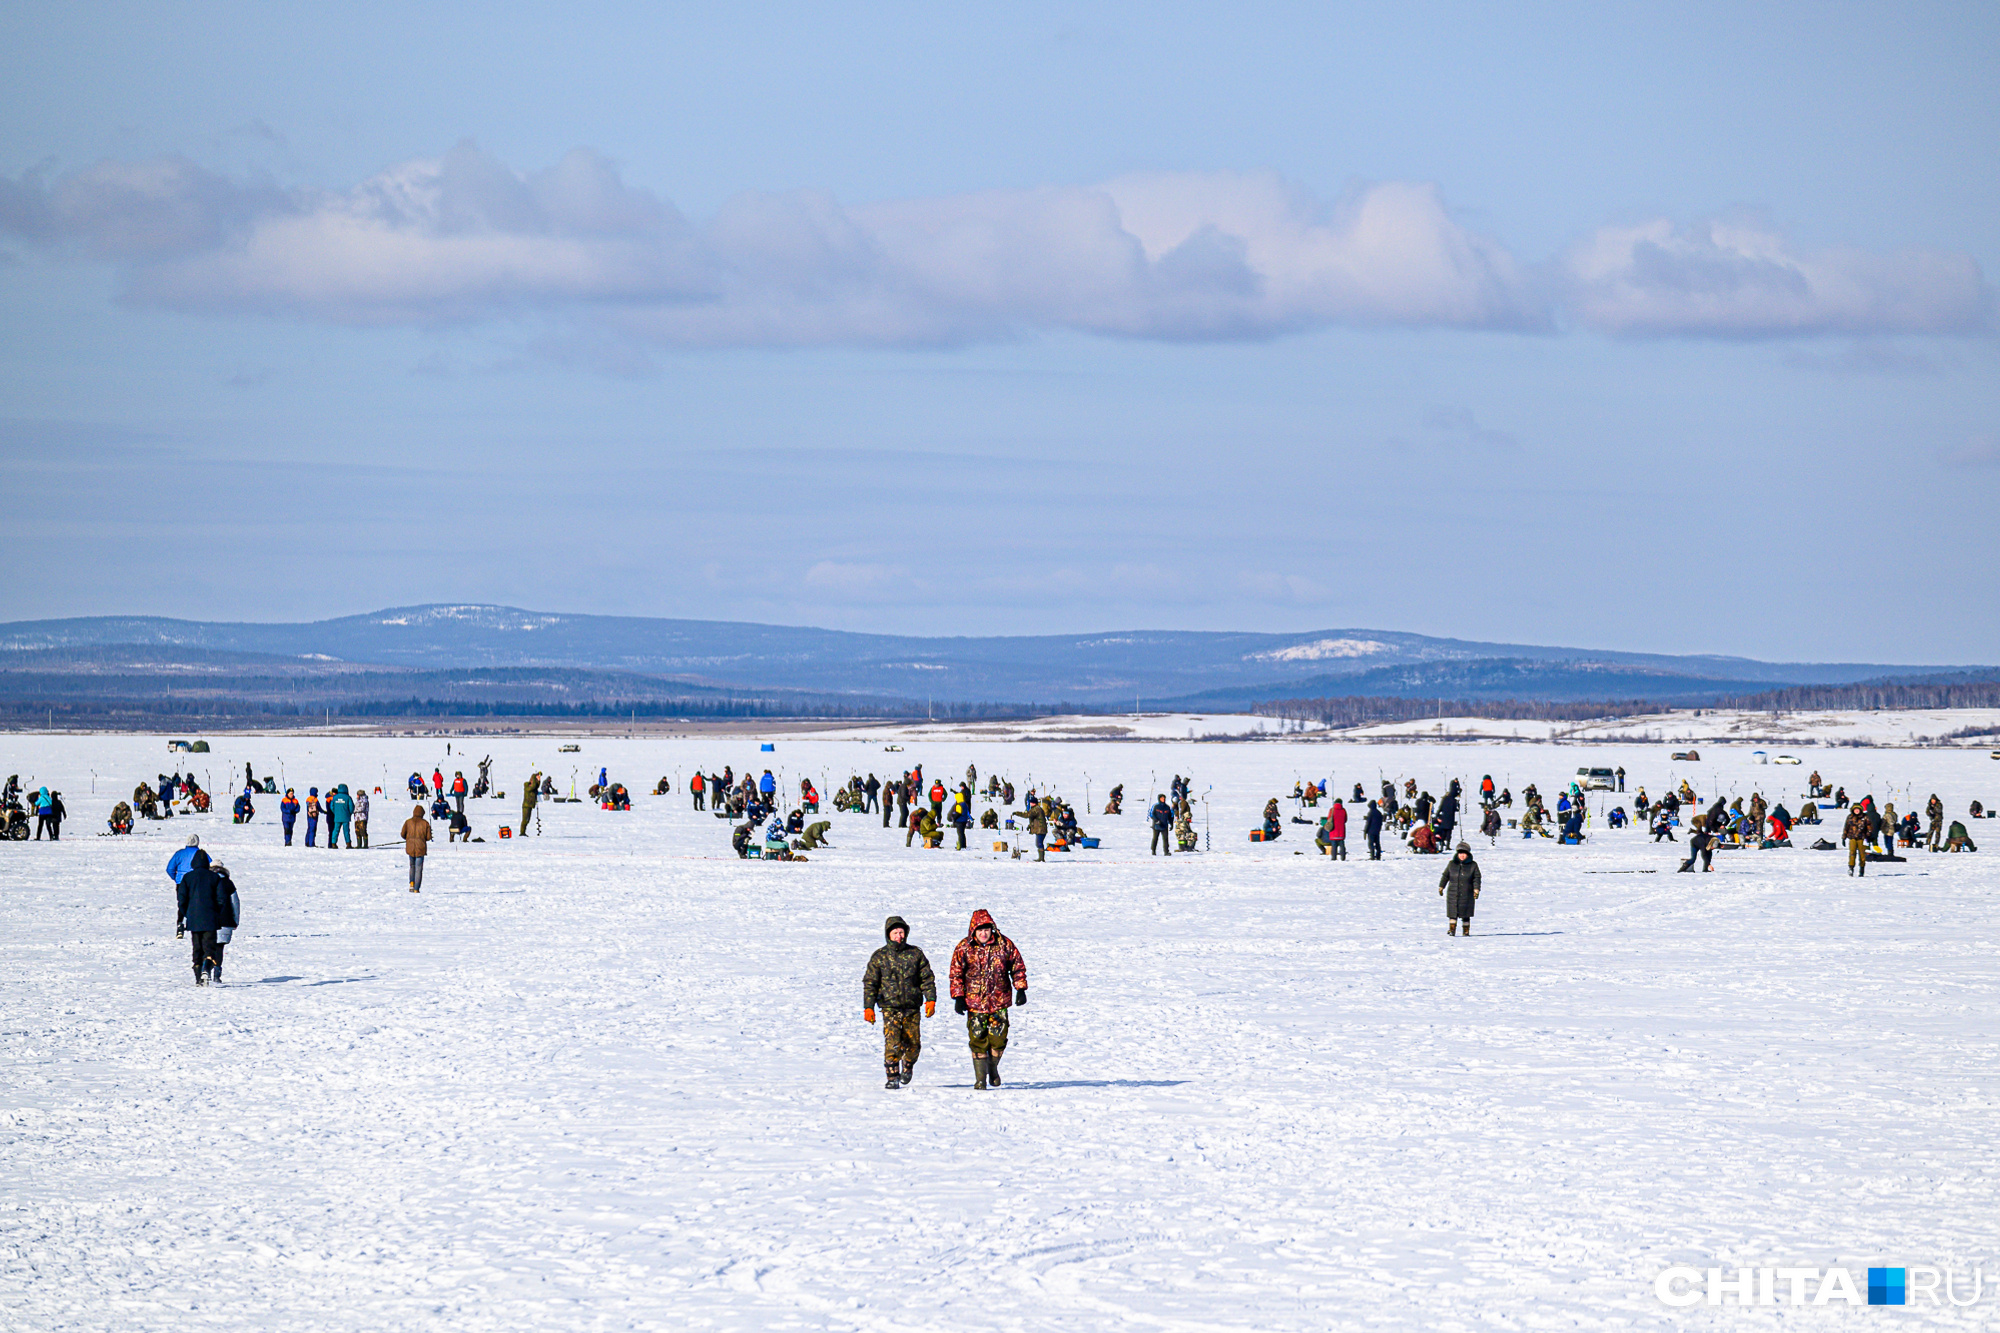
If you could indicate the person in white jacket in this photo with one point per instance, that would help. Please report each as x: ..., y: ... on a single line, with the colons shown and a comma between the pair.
x: 361, y: 815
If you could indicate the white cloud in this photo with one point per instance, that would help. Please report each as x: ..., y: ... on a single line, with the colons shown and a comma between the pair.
x: 1736, y: 280
x: 1212, y: 256
x: 462, y: 237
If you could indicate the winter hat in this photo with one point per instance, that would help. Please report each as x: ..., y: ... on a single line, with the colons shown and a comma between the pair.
x: 194, y: 840
x: 1465, y: 847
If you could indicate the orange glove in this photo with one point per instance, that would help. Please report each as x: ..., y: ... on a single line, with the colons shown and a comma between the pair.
x: 868, y: 1014
x: 930, y: 1007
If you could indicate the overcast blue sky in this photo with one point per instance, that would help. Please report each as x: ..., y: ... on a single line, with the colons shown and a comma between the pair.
x: 1650, y: 327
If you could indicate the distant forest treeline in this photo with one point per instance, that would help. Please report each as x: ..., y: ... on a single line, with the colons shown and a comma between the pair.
x: 1960, y: 691
x: 258, y: 712
x: 1362, y: 711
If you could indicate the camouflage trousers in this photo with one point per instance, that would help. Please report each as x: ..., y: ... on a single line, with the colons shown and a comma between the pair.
x: 902, y: 1036
x: 987, y: 1033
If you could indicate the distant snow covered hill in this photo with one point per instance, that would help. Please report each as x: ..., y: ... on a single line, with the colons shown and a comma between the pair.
x: 1212, y: 669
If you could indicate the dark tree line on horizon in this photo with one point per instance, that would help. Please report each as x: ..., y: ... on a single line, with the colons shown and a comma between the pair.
x: 1965, y: 690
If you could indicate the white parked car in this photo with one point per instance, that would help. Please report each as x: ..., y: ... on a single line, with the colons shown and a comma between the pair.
x: 1597, y: 779
x: 1786, y: 759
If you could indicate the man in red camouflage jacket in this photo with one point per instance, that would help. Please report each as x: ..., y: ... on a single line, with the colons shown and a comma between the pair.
x: 988, y: 977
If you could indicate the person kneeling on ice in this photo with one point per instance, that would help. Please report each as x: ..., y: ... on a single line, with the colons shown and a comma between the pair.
x: 815, y: 835
x: 897, y: 981
x: 1459, y: 886
x: 1958, y: 840
x: 988, y: 977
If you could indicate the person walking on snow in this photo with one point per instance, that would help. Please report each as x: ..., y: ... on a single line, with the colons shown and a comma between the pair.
x: 1336, y: 832
x: 1038, y: 825
x: 897, y: 981
x: 1372, y: 826
x: 1162, y: 819
x: 180, y: 861
x: 988, y: 977
x: 1855, y: 831
x: 416, y: 842
x: 695, y: 784
x: 200, y: 908
x: 1459, y: 886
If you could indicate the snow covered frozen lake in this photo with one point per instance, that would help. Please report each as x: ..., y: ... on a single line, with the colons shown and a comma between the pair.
x: 614, y: 1078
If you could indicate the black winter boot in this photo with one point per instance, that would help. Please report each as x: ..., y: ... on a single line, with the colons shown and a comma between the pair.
x: 979, y: 1072
x: 200, y: 977
x: 993, y: 1071
x: 895, y: 1078
x: 909, y: 1071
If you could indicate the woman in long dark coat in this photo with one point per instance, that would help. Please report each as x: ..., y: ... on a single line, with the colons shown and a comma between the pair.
x: 1460, y: 886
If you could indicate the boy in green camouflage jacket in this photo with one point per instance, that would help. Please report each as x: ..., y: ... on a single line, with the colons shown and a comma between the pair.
x: 899, y: 979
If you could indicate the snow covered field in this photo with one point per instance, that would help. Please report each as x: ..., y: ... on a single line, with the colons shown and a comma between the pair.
x: 614, y: 1078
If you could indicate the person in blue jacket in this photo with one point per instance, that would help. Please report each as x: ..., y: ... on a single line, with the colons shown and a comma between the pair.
x: 288, y: 812
x: 340, y: 816
x: 178, y: 863
x: 768, y: 785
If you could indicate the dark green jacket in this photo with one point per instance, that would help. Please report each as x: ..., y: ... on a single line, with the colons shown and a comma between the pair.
x: 898, y: 976
x: 1460, y: 882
